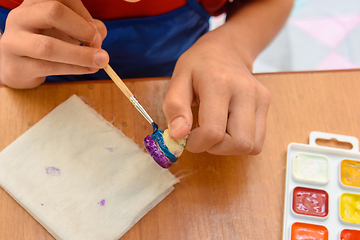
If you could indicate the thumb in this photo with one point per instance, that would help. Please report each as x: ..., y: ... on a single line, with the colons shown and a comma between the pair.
x: 177, y: 107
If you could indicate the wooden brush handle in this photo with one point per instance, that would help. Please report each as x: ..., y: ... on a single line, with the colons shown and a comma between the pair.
x: 117, y: 80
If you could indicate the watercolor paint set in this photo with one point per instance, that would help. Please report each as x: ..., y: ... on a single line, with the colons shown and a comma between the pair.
x: 322, y: 194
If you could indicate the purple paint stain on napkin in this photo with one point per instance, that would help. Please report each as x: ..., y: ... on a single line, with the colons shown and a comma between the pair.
x: 110, y: 149
x: 102, y: 202
x: 53, y: 171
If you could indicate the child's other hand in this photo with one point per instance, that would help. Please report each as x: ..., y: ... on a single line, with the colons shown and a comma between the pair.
x: 233, y: 105
x: 42, y: 38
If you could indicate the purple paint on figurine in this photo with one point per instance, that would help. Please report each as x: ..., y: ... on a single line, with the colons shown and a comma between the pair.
x: 53, y: 171
x: 156, y: 153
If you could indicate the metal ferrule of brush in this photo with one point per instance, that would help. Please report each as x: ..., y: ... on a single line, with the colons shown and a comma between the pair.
x: 140, y: 109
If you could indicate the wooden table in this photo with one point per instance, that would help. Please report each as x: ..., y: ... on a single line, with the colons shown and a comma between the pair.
x: 233, y: 197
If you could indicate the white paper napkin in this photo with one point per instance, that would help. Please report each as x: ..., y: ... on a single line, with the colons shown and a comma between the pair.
x: 80, y: 177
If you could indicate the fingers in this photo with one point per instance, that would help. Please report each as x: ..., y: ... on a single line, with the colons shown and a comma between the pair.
x: 212, y: 119
x: 100, y: 26
x: 261, y: 115
x: 76, y: 5
x: 177, y: 106
x: 240, y: 125
x: 246, y: 125
x: 100, y: 34
x: 53, y: 14
x: 53, y: 31
x: 41, y: 68
x: 55, y: 50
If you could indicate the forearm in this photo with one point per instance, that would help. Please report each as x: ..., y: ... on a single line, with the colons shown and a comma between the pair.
x: 253, y: 26
x: 1, y: 82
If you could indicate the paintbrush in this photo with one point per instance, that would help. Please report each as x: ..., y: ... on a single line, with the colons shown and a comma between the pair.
x: 154, y: 144
x: 121, y: 85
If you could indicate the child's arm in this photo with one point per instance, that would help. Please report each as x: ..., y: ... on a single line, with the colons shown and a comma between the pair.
x: 216, y: 74
x: 42, y: 38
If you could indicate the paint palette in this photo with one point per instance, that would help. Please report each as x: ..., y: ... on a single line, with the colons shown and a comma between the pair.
x: 322, y: 195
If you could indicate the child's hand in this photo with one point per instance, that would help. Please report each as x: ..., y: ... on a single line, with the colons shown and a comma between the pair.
x: 233, y: 105
x: 42, y: 38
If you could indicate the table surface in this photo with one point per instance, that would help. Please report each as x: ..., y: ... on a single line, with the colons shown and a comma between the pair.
x: 219, y: 197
